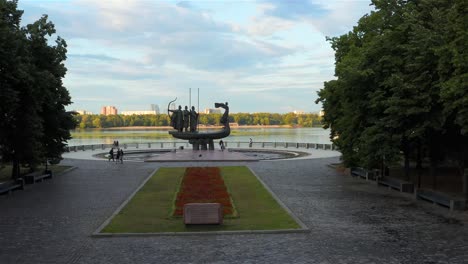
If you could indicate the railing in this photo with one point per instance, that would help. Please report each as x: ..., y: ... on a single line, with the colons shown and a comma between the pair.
x: 176, y: 144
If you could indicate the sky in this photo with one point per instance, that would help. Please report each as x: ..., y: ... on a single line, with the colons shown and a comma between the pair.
x: 260, y: 56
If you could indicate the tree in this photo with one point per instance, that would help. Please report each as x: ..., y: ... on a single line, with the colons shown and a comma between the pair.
x: 401, y: 84
x: 49, y: 71
x: 36, y: 124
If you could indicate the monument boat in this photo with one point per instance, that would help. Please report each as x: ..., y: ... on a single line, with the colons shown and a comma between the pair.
x: 199, y: 140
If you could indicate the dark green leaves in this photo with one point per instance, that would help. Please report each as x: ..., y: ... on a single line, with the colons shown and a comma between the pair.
x: 34, y: 124
x: 401, y: 80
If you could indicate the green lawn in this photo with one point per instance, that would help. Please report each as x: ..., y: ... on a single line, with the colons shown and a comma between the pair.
x: 149, y: 210
x: 5, y: 170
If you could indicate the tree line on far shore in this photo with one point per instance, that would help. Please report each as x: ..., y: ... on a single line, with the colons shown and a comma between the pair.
x: 107, y: 121
x: 401, y: 92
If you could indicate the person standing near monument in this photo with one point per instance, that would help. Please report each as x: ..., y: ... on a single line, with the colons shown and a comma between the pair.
x: 121, y: 155
x: 186, y: 114
x: 193, y: 119
x: 111, y: 154
x: 221, y: 145
x: 118, y: 156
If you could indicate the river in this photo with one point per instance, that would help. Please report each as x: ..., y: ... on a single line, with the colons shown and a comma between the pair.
x: 107, y: 136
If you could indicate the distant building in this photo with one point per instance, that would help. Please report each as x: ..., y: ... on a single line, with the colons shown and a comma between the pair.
x: 108, y: 110
x: 155, y: 107
x: 321, y: 113
x: 145, y: 112
x: 212, y: 111
x: 84, y: 112
x: 296, y: 112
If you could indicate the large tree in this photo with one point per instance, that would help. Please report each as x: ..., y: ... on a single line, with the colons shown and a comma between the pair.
x: 401, y: 84
x: 34, y: 123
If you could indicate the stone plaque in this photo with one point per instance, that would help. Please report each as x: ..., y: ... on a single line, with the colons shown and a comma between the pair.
x: 203, y: 213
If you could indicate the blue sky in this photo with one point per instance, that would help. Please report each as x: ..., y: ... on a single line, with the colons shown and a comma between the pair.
x: 260, y: 56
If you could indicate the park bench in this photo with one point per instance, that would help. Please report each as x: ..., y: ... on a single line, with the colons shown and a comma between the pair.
x: 33, y: 177
x: 452, y: 202
x: 397, y: 184
x: 11, y: 185
x: 363, y: 173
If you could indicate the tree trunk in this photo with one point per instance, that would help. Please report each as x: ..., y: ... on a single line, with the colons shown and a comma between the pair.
x: 433, y: 164
x: 16, y: 169
x: 406, y: 152
x: 419, y: 164
x: 432, y: 173
x: 465, y: 183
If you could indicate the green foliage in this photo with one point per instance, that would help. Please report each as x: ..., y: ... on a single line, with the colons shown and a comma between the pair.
x: 102, y: 121
x: 34, y: 122
x: 401, y: 82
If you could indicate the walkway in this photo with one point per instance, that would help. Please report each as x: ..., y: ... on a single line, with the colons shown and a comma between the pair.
x: 313, y: 153
x: 351, y: 221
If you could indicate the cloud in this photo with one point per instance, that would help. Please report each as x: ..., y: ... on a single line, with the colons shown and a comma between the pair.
x: 331, y: 17
x: 210, y: 51
x: 132, y: 18
x: 140, y: 52
x: 265, y: 26
x: 165, y: 33
x: 98, y: 57
x: 185, y: 4
x: 295, y: 9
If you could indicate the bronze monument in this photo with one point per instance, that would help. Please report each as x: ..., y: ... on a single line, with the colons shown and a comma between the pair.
x: 181, y: 120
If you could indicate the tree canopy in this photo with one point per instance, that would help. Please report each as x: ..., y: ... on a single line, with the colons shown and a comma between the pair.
x: 401, y: 84
x: 104, y: 121
x: 34, y: 123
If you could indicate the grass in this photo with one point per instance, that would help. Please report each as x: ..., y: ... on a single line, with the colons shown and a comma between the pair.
x: 149, y: 210
x: 5, y: 170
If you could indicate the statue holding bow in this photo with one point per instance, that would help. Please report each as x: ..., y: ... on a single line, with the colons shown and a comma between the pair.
x: 177, y: 118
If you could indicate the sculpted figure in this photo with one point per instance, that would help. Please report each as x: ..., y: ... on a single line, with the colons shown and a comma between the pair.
x: 186, y: 114
x: 177, y: 119
x: 193, y: 119
x: 225, y: 118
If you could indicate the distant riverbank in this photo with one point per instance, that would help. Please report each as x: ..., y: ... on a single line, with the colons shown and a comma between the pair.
x: 142, y: 134
x: 200, y: 127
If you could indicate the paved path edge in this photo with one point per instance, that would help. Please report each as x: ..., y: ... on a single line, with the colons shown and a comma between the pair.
x: 103, y: 225
x: 303, y: 226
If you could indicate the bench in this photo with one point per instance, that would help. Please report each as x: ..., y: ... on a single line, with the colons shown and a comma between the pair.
x: 203, y: 213
x: 397, y: 184
x: 363, y: 173
x: 453, y: 203
x: 33, y: 177
x: 11, y: 185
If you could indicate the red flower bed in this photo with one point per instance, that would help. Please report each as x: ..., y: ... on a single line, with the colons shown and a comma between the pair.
x: 203, y: 185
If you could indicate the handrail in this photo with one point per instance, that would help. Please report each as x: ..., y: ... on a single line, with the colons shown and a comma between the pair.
x: 232, y: 144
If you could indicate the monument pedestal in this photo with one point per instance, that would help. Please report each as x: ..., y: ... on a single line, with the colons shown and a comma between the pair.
x: 202, y: 144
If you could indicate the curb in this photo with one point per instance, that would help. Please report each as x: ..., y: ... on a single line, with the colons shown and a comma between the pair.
x: 103, y: 225
x: 303, y: 226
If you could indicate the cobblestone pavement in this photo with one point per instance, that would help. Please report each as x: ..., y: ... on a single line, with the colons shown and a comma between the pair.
x: 351, y: 221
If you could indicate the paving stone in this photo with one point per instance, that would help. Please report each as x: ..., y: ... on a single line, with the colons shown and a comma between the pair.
x: 351, y: 221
